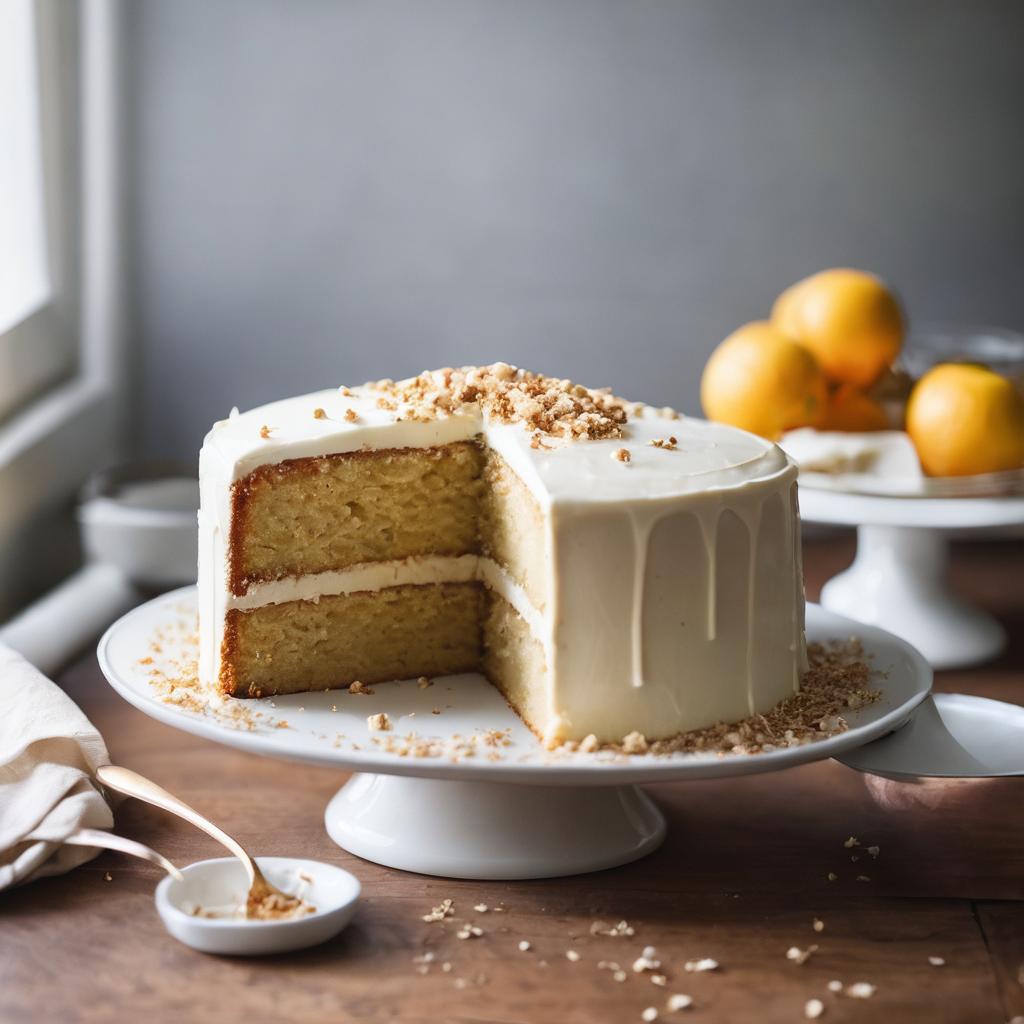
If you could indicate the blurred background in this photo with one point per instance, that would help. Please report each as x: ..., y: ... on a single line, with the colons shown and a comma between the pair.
x: 246, y: 200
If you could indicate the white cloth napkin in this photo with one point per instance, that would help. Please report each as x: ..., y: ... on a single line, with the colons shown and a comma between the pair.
x: 49, y: 751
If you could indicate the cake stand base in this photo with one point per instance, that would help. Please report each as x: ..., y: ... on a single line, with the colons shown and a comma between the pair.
x: 898, y: 582
x: 492, y: 830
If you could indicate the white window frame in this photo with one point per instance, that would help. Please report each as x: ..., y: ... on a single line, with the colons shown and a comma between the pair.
x: 72, y: 428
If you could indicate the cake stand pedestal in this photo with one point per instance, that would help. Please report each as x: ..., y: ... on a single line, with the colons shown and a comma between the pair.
x: 898, y: 578
x: 492, y: 829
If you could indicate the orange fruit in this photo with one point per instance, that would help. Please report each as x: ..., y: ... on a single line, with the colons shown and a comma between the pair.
x: 762, y: 381
x: 851, y: 410
x: 966, y: 419
x: 848, y: 319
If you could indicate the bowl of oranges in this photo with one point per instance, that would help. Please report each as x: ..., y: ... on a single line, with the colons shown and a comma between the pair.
x: 823, y: 376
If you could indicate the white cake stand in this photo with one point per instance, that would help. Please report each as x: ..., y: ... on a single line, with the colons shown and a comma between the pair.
x: 524, y: 814
x: 898, y: 579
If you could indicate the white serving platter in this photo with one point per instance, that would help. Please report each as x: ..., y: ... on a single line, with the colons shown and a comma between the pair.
x: 527, y: 813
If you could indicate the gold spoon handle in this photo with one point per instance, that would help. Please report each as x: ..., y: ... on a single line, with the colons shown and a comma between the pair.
x: 108, y: 841
x: 124, y: 780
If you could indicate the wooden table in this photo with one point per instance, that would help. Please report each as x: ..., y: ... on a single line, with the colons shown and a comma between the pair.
x: 741, y: 878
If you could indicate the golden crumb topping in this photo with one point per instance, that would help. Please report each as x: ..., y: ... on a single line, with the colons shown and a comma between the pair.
x: 506, y: 394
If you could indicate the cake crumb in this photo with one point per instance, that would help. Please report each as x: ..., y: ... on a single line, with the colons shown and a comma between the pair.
x: 588, y: 744
x: 835, y: 986
x: 378, y: 723
x: 481, y: 908
x: 444, y: 909
x: 679, y: 1001
x: 572, y: 956
x: 860, y: 990
x: 351, y: 415
x: 423, y: 682
x: 800, y: 956
x: 704, y: 964
x: 646, y: 961
x: 319, y: 414
x: 813, y: 1009
x: 874, y: 851
x: 937, y: 961
x: 818, y: 925
x: 524, y: 946
x: 469, y: 931
x: 851, y: 842
x: 863, y: 878
x: 634, y: 743
x: 831, y: 876
x: 615, y: 930
x: 622, y: 454
x: 659, y: 980
x: 265, y: 431
x: 668, y: 444
x: 107, y: 876
x: 649, y: 1014
x: 357, y: 687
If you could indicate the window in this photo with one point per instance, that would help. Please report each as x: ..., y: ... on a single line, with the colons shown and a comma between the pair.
x: 60, y: 310
x: 36, y: 343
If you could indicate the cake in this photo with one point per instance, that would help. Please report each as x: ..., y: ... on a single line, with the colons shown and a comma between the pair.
x: 611, y: 568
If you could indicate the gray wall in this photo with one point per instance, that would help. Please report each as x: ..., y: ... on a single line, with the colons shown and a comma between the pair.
x: 330, y: 192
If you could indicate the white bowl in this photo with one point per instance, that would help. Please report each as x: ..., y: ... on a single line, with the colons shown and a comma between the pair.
x: 223, y: 882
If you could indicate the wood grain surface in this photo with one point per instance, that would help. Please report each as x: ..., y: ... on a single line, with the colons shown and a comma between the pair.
x: 742, y: 877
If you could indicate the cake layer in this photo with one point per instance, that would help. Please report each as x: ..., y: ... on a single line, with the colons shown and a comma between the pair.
x: 514, y: 531
x: 371, y: 636
x: 312, y: 514
x: 515, y: 662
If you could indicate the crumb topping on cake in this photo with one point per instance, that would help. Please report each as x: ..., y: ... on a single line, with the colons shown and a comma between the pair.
x: 507, y: 394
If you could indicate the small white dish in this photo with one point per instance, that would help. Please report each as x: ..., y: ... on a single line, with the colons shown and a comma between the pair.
x: 222, y: 883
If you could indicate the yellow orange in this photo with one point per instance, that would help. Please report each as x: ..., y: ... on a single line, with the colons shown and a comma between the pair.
x: 762, y: 381
x: 851, y: 410
x: 848, y: 319
x: 966, y: 419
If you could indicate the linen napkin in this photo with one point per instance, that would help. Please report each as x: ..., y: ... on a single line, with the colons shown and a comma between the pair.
x: 49, y: 751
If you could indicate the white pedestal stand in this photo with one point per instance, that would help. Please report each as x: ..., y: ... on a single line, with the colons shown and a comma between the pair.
x: 492, y: 830
x: 898, y: 579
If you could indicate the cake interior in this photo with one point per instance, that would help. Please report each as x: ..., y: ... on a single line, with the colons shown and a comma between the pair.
x: 339, y: 513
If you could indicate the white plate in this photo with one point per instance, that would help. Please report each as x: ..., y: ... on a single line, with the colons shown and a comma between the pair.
x: 951, y: 736
x: 332, y: 891
x: 839, y: 508
x: 469, y: 705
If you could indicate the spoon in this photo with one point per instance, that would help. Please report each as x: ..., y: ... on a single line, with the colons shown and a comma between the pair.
x: 262, y: 895
x: 109, y: 841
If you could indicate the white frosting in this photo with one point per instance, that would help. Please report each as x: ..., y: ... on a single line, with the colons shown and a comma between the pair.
x: 675, y: 596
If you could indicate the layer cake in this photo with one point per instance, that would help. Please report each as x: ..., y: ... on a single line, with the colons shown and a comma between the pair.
x: 613, y: 569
